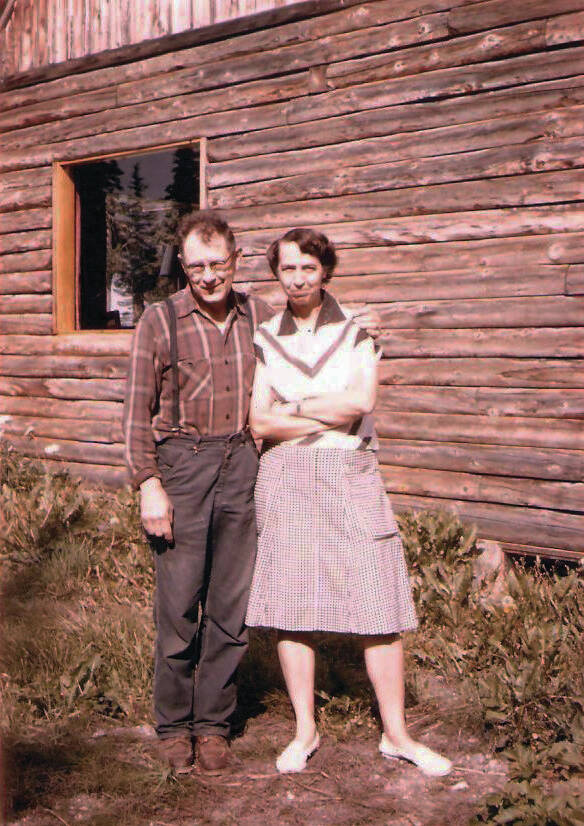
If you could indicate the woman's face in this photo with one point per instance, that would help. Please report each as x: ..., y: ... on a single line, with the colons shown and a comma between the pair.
x: 301, y: 276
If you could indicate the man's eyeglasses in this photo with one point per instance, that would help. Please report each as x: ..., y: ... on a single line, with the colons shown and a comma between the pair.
x: 215, y: 267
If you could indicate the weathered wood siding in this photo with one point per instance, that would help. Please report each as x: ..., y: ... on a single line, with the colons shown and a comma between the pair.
x: 40, y: 32
x: 440, y: 144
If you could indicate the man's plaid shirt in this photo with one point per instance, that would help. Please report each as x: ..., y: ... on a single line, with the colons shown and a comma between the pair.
x: 215, y: 376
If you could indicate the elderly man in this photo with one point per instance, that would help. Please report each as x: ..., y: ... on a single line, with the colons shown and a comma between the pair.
x: 191, y: 455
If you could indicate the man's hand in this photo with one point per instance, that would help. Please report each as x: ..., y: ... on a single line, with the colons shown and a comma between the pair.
x: 366, y: 317
x: 155, y: 509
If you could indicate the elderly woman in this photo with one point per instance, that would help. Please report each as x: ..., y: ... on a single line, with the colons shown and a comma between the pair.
x: 329, y: 553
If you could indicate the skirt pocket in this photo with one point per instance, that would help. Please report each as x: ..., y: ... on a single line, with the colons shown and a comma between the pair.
x: 369, y: 503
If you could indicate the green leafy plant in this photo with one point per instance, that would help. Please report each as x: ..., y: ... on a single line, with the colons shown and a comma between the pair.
x: 76, y: 588
x: 530, y: 804
x: 520, y: 657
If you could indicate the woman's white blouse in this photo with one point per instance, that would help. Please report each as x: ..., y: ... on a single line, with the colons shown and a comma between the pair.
x: 302, y: 363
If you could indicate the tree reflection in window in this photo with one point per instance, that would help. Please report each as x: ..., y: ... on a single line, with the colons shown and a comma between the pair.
x: 128, y: 211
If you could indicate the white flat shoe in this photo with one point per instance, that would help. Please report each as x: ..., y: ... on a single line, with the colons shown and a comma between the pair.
x: 295, y: 756
x: 429, y: 762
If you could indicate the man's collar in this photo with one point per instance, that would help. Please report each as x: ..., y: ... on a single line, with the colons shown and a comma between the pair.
x: 185, y: 303
x: 329, y: 313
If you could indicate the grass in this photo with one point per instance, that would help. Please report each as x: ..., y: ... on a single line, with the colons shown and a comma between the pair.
x: 77, y: 655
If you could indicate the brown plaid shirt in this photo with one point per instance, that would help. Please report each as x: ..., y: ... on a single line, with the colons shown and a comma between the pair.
x: 215, y: 376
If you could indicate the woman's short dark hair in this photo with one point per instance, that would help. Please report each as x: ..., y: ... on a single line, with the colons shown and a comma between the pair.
x: 310, y: 242
x: 206, y: 223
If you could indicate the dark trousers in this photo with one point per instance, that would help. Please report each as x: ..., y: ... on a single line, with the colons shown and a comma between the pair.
x: 209, y: 565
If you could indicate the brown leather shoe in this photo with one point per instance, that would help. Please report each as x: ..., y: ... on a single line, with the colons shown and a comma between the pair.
x: 212, y: 753
x: 177, y: 752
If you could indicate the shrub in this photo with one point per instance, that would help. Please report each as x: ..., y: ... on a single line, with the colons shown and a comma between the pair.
x: 522, y: 659
x: 76, y: 589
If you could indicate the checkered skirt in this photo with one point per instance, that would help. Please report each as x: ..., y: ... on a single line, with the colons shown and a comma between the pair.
x: 329, y: 553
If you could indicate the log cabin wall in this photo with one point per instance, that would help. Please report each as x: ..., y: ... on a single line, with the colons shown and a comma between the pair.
x: 439, y: 144
x: 39, y: 32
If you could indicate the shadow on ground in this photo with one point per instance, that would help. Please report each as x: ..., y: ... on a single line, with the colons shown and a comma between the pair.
x: 111, y: 775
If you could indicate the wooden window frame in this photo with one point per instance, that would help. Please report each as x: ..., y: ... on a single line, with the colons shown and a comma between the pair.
x: 66, y: 232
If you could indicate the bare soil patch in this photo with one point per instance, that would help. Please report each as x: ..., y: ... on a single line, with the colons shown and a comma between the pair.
x: 347, y: 782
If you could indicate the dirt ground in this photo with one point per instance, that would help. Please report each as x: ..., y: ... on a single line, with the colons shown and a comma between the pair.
x: 346, y: 783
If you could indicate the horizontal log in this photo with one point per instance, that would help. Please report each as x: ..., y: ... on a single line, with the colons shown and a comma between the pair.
x: 83, y: 79
x: 531, y: 189
x: 492, y: 13
x: 26, y: 261
x: 500, y: 401
x: 486, y: 401
x: 69, y: 344
x: 575, y: 279
x: 420, y: 143
x: 79, y: 430
x: 25, y: 219
x: 524, y: 342
x: 439, y: 84
x: 65, y: 366
x: 506, y: 523
x: 26, y: 304
x: 567, y: 250
x: 60, y: 409
x: 370, y: 118
x: 177, y: 87
x: 17, y: 283
x: 35, y: 324
x: 97, y: 100
x: 388, y: 37
x: 23, y: 241
x: 159, y: 56
x: 110, y: 476
x: 532, y: 493
x: 173, y: 99
x: 145, y: 137
x: 67, y: 449
x: 514, y: 40
x: 518, y: 431
x: 458, y: 226
x: 532, y: 311
x: 25, y: 395
x: 438, y: 284
x: 564, y: 29
x: 484, y: 372
x: 99, y: 475
x: 536, y: 550
x: 497, y: 44
x: 523, y: 312
x: 82, y: 389
x: 240, y: 68
x: 527, y: 462
x: 24, y: 178
x: 530, y: 250
x: 493, y: 44
x: 18, y: 199
x: 537, y: 156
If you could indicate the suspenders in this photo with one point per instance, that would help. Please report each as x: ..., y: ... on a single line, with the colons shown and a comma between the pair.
x: 174, y: 356
x: 173, y: 364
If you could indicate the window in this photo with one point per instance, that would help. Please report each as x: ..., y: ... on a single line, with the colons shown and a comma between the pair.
x: 115, y: 223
